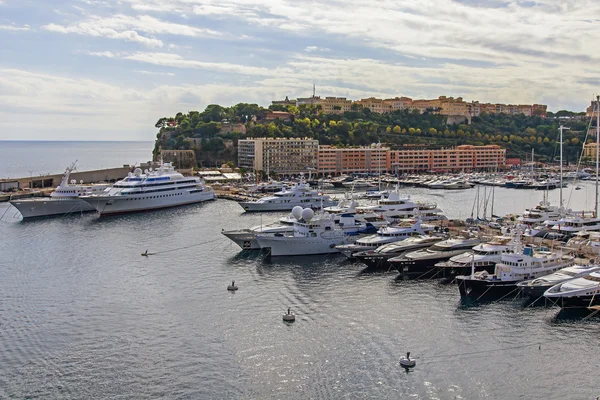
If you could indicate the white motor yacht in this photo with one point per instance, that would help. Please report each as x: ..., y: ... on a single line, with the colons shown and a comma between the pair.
x: 536, y: 288
x: 523, y: 264
x: 300, y: 194
x: 311, y: 235
x: 579, y: 292
x: 387, y: 235
x: 396, y: 206
x: 65, y: 199
x: 152, y: 190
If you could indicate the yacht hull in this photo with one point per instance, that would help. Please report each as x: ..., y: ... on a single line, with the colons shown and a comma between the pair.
x: 251, y: 206
x: 486, y: 290
x: 300, y: 246
x: 115, y: 205
x: 46, y: 207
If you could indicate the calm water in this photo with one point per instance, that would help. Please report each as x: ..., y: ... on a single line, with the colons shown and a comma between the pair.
x: 19, y: 158
x: 83, y: 315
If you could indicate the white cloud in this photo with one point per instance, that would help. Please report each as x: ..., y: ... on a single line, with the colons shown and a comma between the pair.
x: 126, y: 27
x: 144, y: 72
x: 106, y: 54
x: 14, y: 28
x: 177, y: 61
x: 313, y: 49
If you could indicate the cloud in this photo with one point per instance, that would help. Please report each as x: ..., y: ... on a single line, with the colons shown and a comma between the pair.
x: 144, y: 72
x: 312, y: 49
x: 106, y: 54
x: 177, y: 61
x: 126, y: 27
x: 14, y: 28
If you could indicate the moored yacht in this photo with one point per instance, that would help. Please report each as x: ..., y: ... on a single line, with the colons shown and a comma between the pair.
x: 300, y: 194
x: 65, y: 199
x: 536, y: 288
x: 396, y: 206
x: 311, y: 235
x: 483, y: 257
x: 423, y: 262
x: 386, y: 235
x: 525, y: 263
x: 152, y: 190
x: 578, y: 292
x: 379, y: 257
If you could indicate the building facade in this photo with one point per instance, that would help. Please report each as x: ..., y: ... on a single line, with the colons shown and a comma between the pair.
x: 334, y: 161
x: 335, y: 105
x: 278, y: 156
x: 373, y: 159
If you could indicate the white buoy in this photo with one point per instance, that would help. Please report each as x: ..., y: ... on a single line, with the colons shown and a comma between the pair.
x: 408, y: 361
x: 290, y: 316
x: 232, y: 287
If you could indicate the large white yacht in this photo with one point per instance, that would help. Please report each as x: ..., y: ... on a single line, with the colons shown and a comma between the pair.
x: 541, y: 213
x: 300, y: 194
x: 311, y: 235
x: 152, y: 190
x: 65, y: 199
x: 570, y: 225
x: 386, y: 235
x: 524, y: 263
x: 396, y: 206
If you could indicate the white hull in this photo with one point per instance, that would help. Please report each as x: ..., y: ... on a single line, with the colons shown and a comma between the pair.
x: 300, y: 246
x: 251, y: 206
x: 45, y: 207
x: 112, y: 205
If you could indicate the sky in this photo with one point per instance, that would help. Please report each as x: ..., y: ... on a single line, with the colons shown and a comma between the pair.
x: 108, y: 70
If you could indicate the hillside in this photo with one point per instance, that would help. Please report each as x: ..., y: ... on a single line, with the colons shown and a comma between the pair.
x: 214, y: 133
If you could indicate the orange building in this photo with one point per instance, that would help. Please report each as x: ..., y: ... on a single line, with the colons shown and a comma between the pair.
x: 333, y: 160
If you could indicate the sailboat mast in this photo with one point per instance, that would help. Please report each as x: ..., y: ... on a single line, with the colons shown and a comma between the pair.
x: 561, y: 165
x: 597, y: 150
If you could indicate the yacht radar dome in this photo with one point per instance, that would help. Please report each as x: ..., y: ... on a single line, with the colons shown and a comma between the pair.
x: 137, y: 172
x: 73, y: 181
x: 297, y: 212
x: 232, y: 287
x: 307, y: 214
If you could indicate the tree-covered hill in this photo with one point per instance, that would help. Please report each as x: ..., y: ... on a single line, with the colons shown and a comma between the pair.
x: 214, y: 132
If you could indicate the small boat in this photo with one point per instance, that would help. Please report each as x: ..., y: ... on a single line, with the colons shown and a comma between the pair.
x: 289, y: 316
x: 577, y: 187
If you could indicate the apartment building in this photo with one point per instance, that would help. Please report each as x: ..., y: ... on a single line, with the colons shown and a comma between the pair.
x: 335, y: 105
x: 460, y: 158
x: 333, y: 160
x: 375, y: 105
x: 281, y: 156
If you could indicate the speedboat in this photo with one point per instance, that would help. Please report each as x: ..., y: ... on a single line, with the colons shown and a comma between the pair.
x: 579, y: 292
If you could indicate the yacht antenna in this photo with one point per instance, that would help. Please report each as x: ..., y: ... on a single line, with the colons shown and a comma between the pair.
x: 597, y: 150
x: 561, y: 128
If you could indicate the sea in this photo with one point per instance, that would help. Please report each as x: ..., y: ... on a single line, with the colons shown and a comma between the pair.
x: 83, y: 315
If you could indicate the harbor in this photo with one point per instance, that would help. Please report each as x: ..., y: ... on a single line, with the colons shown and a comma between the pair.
x: 170, y: 318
